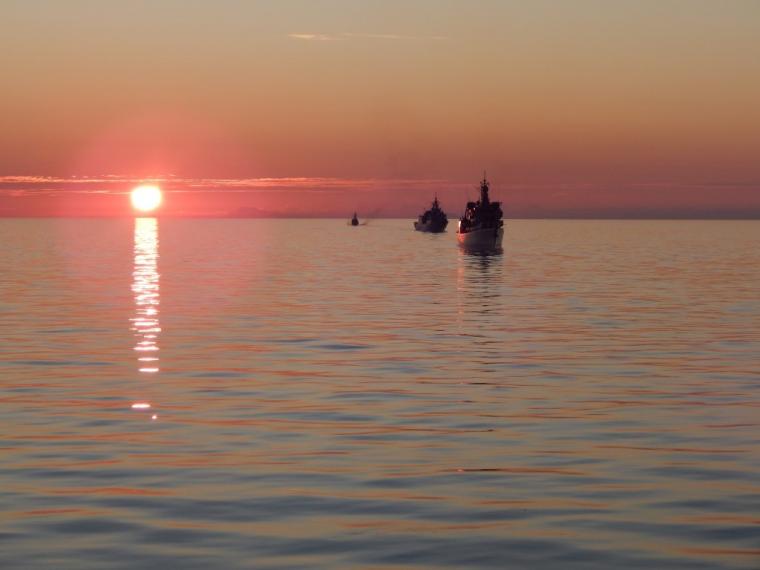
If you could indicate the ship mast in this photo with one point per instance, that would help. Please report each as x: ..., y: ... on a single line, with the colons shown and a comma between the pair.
x: 484, y: 191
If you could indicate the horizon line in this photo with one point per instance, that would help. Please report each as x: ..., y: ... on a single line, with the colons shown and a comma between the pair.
x: 738, y: 218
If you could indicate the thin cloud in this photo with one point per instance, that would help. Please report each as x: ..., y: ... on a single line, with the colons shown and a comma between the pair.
x: 391, y: 36
x: 23, y: 186
x: 102, y: 179
x: 313, y: 37
x: 355, y: 35
x: 19, y: 186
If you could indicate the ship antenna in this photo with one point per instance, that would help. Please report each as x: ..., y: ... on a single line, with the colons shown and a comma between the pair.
x: 484, y: 190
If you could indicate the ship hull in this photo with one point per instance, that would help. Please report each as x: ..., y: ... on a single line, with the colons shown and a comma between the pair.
x: 430, y: 228
x: 486, y: 238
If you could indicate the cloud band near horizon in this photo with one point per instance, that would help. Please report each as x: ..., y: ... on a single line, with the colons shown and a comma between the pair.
x: 32, y: 196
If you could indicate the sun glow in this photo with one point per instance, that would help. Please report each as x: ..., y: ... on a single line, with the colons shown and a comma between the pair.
x: 146, y: 198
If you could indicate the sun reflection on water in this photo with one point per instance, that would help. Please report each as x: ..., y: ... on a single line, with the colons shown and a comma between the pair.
x: 145, y: 287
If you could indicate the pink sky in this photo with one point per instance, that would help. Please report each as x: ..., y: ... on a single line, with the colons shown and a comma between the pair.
x: 334, y: 197
x: 628, y: 109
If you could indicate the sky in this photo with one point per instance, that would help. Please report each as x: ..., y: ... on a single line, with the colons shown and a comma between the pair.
x: 582, y: 108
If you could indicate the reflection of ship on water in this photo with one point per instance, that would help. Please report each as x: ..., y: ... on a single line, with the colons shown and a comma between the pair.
x: 433, y: 220
x: 479, y: 278
x: 482, y: 225
x: 482, y: 313
x: 355, y: 220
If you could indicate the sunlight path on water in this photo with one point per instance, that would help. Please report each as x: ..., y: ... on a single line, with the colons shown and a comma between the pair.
x: 145, y: 287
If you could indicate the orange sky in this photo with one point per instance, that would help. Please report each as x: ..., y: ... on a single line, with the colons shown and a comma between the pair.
x: 589, y: 108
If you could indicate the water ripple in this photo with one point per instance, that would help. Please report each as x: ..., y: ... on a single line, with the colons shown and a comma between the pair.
x: 337, y: 397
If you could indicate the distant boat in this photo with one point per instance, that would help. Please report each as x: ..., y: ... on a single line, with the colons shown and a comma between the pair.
x: 354, y: 220
x: 433, y: 221
x: 482, y: 224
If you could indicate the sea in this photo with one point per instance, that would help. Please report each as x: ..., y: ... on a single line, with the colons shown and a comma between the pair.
x: 272, y: 394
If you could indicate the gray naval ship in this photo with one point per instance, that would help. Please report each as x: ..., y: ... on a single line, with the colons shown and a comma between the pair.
x: 433, y: 220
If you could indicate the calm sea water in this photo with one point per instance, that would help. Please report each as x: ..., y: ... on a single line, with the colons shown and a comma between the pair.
x: 275, y: 394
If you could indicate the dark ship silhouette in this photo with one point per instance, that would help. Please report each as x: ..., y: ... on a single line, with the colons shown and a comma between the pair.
x: 434, y: 220
x: 354, y: 220
x: 482, y: 224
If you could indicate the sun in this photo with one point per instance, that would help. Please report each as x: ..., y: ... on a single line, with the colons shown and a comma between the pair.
x: 146, y: 198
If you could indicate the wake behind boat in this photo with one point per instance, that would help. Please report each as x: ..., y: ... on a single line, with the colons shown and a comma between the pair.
x: 482, y: 225
x: 433, y: 221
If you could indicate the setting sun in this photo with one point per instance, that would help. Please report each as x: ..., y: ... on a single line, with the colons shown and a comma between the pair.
x: 146, y: 198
